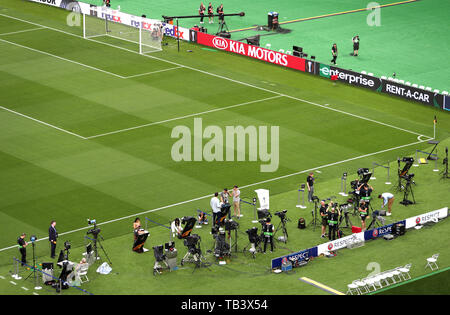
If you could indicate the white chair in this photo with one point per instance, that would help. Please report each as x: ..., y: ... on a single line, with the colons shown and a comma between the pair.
x: 268, y: 46
x: 370, y: 283
x: 431, y: 262
x: 383, y: 77
x: 415, y: 85
x: 436, y: 91
x: 384, y: 278
x: 281, y: 50
x: 397, y: 273
x: 408, y: 83
x: 421, y: 87
x: 391, y: 276
x: 82, y: 272
x: 362, y: 287
x: 370, y: 73
x: 363, y: 72
x: 444, y: 93
x: 405, y: 271
x: 402, y: 81
x: 352, y: 288
x: 288, y: 52
x: 428, y: 88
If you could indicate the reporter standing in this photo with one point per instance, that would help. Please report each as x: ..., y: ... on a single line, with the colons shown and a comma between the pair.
x: 334, y: 53
x: 333, y: 216
x: 52, y: 237
x: 355, y: 41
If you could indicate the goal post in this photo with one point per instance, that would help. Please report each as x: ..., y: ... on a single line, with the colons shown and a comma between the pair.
x: 139, y: 33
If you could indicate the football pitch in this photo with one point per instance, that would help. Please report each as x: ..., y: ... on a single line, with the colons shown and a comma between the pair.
x: 86, y: 131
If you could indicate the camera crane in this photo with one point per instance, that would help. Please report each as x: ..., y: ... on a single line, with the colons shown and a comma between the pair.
x: 221, y: 25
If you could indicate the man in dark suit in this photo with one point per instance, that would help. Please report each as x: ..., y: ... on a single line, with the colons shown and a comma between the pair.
x: 52, y: 237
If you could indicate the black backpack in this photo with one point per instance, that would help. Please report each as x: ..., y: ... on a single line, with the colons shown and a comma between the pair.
x: 301, y: 223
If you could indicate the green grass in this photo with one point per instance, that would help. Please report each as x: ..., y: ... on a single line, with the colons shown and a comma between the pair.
x: 408, y: 41
x: 49, y: 173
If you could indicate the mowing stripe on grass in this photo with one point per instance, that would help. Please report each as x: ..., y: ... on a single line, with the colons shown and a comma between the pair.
x: 222, y: 77
x: 182, y: 117
x: 42, y: 122
x: 209, y: 195
x: 409, y: 281
x: 321, y: 286
x: 330, y: 15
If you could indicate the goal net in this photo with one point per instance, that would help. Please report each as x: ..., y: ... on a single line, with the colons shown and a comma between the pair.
x: 142, y: 34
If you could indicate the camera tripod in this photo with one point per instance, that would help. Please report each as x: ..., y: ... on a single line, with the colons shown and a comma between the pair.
x: 348, y: 222
x: 282, y: 226
x: 408, y: 190
x: 97, y: 243
x: 33, y: 273
x: 222, y: 26
x: 374, y: 223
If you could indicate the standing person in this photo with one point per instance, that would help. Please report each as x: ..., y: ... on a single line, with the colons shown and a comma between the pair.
x: 215, y: 207
x: 237, y: 201
x: 388, y: 199
x: 52, y: 237
x: 268, y: 234
x: 224, y: 198
x: 355, y: 40
x: 324, y: 216
x: 334, y: 53
x: 363, y: 212
x: 220, y: 12
x: 201, y: 11
x: 210, y: 13
x: 310, y: 185
x: 22, y: 248
x: 333, y: 216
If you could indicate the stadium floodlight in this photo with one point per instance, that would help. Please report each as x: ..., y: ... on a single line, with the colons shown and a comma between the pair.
x: 104, y: 22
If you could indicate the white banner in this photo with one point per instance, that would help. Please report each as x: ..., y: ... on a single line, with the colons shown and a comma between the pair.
x: 340, y: 243
x: 118, y: 17
x: 427, y: 217
x: 263, y: 197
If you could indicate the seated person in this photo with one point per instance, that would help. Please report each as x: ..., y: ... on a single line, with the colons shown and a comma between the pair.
x: 202, y: 219
x: 73, y: 278
x: 137, y: 229
x: 176, y: 228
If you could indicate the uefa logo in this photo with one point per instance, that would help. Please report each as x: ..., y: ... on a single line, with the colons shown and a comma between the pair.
x: 330, y: 246
x: 418, y: 220
x: 220, y: 43
x: 375, y: 233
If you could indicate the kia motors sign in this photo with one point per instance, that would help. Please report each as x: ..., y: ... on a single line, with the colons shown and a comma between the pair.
x: 255, y: 52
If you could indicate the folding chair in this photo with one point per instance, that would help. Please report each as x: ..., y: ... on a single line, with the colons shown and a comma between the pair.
x: 431, y: 262
x: 82, y: 272
x: 361, y: 286
x: 352, y: 288
x: 405, y: 271
x: 370, y: 283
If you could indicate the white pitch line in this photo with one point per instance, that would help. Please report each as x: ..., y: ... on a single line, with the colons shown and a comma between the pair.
x: 62, y: 58
x: 12, y: 282
x: 219, y: 76
x: 181, y: 117
x: 23, y: 31
x: 242, y: 187
x: 25, y: 288
x: 151, y: 72
x: 42, y: 122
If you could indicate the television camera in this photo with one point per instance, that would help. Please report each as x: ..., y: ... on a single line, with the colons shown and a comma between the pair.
x: 255, y: 241
x: 194, y: 253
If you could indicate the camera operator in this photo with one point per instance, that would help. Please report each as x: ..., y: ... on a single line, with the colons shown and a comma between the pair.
x: 224, y: 198
x: 22, y: 248
x: 333, y: 216
x: 324, y: 215
x: 363, y: 213
x: 268, y: 234
x: 365, y: 190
